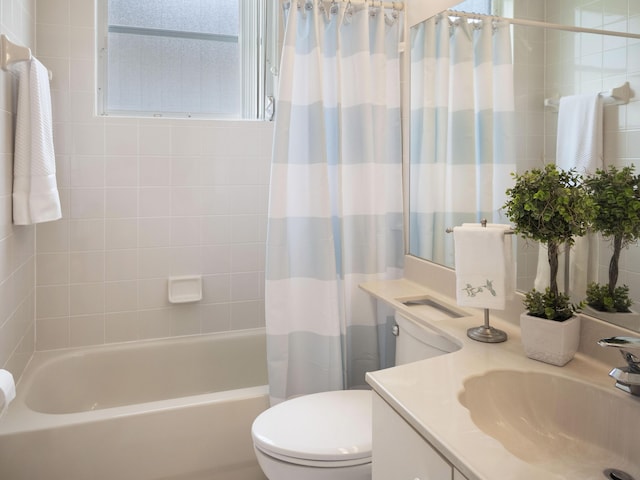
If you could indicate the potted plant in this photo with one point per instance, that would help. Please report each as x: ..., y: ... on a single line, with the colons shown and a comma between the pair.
x: 550, y: 206
x: 616, y: 195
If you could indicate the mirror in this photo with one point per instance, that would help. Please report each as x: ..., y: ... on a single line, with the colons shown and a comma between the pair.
x: 547, y: 63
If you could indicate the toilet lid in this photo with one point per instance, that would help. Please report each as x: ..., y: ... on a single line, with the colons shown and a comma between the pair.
x: 328, y: 426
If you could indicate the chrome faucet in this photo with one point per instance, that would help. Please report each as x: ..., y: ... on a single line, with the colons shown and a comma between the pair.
x: 627, y: 378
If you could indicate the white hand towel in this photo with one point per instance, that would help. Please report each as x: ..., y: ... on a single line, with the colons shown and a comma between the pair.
x: 579, y: 145
x: 7, y: 390
x: 485, y: 271
x: 35, y: 192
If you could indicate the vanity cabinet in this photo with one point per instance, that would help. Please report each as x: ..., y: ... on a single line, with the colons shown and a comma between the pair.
x: 399, y: 452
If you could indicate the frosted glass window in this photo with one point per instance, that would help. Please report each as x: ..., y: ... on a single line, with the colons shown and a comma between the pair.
x: 475, y: 6
x: 180, y: 57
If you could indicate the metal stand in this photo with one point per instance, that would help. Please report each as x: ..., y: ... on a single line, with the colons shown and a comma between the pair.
x: 486, y: 333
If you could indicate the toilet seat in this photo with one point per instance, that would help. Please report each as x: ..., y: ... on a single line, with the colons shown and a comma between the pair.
x: 315, y: 463
x: 328, y: 429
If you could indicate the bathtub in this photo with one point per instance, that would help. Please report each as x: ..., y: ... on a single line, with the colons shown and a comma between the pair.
x: 174, y: 409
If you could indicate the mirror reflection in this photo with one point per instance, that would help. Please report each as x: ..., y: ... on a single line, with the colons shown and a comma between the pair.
x: 485, y: 94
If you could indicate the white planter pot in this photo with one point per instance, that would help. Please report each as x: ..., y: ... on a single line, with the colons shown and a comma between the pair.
x: 548, y: 341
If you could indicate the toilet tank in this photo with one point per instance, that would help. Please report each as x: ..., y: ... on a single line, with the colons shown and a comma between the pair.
x: 417, y: 342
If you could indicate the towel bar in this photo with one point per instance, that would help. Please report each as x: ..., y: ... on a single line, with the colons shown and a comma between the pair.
x: 11, y: 53
x: 616, y: 96
x: 483, y: 223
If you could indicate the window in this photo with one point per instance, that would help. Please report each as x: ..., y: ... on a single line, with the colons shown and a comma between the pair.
x: 212, y: 58
x: 474, y: 6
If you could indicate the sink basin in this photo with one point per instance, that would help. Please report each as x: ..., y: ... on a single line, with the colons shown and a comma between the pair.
x: 561, y: 425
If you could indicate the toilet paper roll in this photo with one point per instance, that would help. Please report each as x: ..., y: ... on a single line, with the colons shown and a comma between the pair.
x: 7, y: 390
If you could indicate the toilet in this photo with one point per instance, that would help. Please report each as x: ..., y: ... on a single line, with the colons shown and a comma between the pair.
x: 327, y: 435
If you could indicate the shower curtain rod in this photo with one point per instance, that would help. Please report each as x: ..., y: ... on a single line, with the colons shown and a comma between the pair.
x: 392, y: 5
x: 373, y: 3
x: 536, y: 23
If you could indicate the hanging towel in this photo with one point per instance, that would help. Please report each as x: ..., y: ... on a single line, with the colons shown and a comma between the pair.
x: 580, y: 133
x: 7, y: 390
x: 485, y: 271
x: 579, y: 146
x: 35, y: 192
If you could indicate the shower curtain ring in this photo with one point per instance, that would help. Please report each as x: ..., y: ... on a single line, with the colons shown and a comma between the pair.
x: 371, y: 7
x: 348, y: 10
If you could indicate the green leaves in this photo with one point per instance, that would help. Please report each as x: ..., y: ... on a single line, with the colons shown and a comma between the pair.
x: 549, y: 205
x: 600, y: 298
x: 552, y: 206
x: 616, y: 197
x: 550, y: 306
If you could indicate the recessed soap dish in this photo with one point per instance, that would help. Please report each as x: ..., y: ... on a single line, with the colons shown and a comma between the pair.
x: 185, y: 289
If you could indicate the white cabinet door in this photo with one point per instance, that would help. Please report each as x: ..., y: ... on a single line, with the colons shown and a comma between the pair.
x: 399, y: 452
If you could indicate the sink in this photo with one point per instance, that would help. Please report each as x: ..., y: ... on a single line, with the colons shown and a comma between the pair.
x: 559, y: 424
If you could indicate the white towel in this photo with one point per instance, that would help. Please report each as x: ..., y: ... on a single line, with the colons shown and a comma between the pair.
x: 579, y: 142
x: 7, y: 390
x: 579, y: 146
x: 35, y: 192
x: 485, y: 270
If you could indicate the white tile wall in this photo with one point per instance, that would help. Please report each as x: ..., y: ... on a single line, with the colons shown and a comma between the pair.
x: 144, y: 199
x: 17, y: 244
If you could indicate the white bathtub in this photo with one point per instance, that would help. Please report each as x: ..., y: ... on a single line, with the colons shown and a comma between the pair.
x: 178, y: 409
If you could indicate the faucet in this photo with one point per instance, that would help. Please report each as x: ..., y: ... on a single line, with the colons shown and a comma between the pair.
x: 627, y: 378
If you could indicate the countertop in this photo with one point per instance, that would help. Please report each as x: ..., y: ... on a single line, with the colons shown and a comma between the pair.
x: 425, y: 393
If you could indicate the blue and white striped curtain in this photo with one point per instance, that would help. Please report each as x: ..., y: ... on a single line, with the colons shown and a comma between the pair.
x: 335, y: 209
x: 462, y: 143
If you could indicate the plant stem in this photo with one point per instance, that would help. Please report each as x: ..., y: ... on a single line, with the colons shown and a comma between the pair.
x: 613, y: 264
x: 552, y: 255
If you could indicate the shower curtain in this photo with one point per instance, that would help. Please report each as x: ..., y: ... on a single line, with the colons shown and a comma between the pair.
x: 335, y: 205
x: 463, y: 108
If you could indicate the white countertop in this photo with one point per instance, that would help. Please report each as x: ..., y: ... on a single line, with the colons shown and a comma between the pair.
x: 426, y: 393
